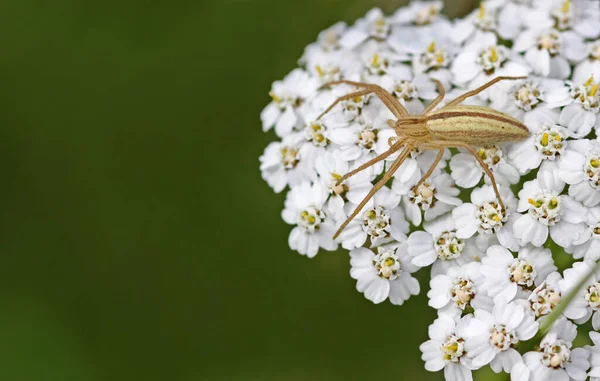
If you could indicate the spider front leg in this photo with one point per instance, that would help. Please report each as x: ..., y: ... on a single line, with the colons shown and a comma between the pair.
x: 479, y: 90
x: 430, y: 170
x: 393, y: 148
x: 388, y: 99
x: 388, y: 175
x: 436, y: 101
x: 344, y: 98
x: 441, y: 144
x: 488, y: 171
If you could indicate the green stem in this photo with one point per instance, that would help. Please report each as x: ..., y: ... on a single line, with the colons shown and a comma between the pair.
x: 558, y: 310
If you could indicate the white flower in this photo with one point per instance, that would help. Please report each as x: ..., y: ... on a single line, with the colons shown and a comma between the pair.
x: 467, y: 172
x: 580, y: 168
x: 485, y: 217
x: 507, y: 277
x: 281, y: 164
x: 543, y: 148
x: 363, y: 140
x: 516, y: 15
x: 493, y: 336
x: 582, y: 101
x: 458, y: 290
x: 587, y: 301
x: 446, y: 348
x: 590, y: 66
x: 327, y: 41
x: 547, y: 209
x: 347, y: 111
x: 316, y: 140
x: 594, y: 352
x: 567, y: 15
x: 484, y: 60
x: 374, y: 25
x: 379, y: 65
x: 526, y: 98
x: 331, y: 168
x: 419, y: 13
x: 314, y: 228
x: 289, y: 96
x: 331, y: 66
x: 411, y: 91
x: 386, y: 274
x: 556, y: 360
x: 436, y: 196
x: 382, y: 221
x: 548, y: 51
x: 545, y: 297
x: 413, y: 169
x: 588, y: 245
x: 479, y: 24
x: 439, y: 245
x: 434, y: 60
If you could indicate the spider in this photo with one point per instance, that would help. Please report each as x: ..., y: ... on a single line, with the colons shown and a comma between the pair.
x: 451, y: 126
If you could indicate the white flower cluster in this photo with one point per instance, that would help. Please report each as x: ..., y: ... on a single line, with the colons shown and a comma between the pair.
x: 493, y: 279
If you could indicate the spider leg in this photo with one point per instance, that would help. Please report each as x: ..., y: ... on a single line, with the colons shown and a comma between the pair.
x: 452, y: 143
x: 394, y: 148
x: 488, y: 172
x: 437, y: 100
x: 345, y: 98
x: 478, y: 90
x: 390, y: 101
x: 431, y: 169
x: 388, y: 175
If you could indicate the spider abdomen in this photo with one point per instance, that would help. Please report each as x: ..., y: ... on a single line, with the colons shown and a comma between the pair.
x: 476, y: 125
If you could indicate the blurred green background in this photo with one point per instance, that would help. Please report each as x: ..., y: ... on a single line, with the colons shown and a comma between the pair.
x: 138, y: 239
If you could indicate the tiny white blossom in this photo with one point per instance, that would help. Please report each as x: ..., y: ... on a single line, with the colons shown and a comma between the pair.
x: 587, y: 301
x: 411, y: 91
x: 588, y: 245
x: 385, y: 274
x: 493, y: 336
x: 566, y: 15
x: 281, y: 164
x: 327, y: 41
x: 526, y: 98
x: 594, y: 352
x: 289, y: 96
x: 314, y: 228
x: 548, y: 210
x: 440, y: 246
x: 580, y: 168
x: 479, y: 24
x: 446, y: 348
x: 590, y: 66
x: 414, y: 167
x: 543, y: 148
x: 436, y: 196
x: 381, y: 221
x: 515, y: 15
x: 507, y: 277
x: 458, y: 290
x: 363, y: 140
x: 419, y: 13
x: 582, y: 101
x: 556, y: 359
x: 487, y: 219
x: 331, y: 168
x: 374, y: 25
x: 484, y: 60
x: 467, y: 172
x: 546, y: 296
x: 435, y: 60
